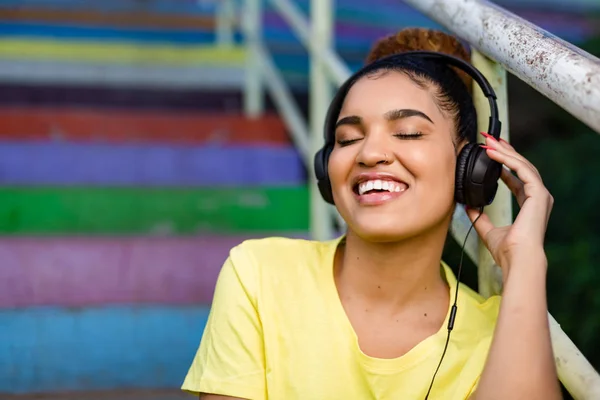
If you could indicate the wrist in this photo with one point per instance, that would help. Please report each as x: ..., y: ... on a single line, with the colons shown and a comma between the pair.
x: 532, y: 262
x: 531, y: 254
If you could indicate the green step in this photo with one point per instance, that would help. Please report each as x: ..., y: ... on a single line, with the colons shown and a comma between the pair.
x: 135, y: 211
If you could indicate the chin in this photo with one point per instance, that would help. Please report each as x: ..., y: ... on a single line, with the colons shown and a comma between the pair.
x: 379, y: 236
x: 386, y: 230
x: 389, y: 229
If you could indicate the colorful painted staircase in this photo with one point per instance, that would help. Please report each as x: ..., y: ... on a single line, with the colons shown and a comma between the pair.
x: 127, y: 172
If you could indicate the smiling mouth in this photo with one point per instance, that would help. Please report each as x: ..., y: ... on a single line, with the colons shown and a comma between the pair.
x: 378, y: 186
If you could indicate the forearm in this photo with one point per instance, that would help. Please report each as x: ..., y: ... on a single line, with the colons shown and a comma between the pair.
x: 520, y: 363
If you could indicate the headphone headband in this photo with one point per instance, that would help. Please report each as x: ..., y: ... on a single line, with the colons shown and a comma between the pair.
x: 494, y: 125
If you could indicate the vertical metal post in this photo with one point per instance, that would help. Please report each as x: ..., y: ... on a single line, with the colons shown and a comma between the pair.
x: 253, y: 90
x: 320, y: 95
x: 500, y: 211
x: 225, y: 22
x: 574, y: 371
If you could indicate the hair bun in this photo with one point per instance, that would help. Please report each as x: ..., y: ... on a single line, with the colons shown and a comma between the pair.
x: 413, y: 39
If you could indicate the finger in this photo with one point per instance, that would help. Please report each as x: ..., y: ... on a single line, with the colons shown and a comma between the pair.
x: 505, y: 147
x: 514, y: 184
x: 504, y: 142
x: 482, y: 223
x: 523, y: 170
x: 535, y: 201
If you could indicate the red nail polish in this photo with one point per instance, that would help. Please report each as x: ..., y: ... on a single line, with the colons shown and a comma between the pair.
x: 487, y: 147
x: 467, y: 208
x: 487, y: 135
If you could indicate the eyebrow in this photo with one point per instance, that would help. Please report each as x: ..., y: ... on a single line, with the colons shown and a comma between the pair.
x: 351, y: 120
x: 405, y: 113
x: 392, y: 115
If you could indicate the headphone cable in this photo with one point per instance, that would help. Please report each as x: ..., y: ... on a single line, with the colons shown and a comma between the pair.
x: 454, y: 306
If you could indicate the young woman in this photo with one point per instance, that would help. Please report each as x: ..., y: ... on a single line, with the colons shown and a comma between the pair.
x: 365, y: 316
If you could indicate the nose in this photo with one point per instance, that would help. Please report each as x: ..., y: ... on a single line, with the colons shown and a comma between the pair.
x: 373, y: 152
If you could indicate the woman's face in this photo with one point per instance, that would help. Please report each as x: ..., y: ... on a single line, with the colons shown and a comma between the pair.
x: 392, y: 168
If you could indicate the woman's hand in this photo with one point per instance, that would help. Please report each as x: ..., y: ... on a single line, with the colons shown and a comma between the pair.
x: 525, y: 237
x: 520, y: 362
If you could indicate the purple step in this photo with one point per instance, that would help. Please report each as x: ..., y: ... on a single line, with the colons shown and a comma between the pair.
x: 67, y: 163
x: 81, y: 272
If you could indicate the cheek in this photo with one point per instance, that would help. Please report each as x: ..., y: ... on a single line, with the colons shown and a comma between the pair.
x: 435, y: 168
x: 337, y: 168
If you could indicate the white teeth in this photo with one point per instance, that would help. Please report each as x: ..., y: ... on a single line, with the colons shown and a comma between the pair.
x: 379, y: 185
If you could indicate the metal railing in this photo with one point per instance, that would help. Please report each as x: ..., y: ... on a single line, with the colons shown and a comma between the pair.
x: 502, y: 42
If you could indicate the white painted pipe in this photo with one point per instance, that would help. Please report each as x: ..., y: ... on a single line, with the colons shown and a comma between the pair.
x: 567, y: 75
x: 253, y: 88
x: 292, y: 116
x: 500, y: 211
x: 460, y: 226
x: 574, y: 370
x: 321, y: 92
x: 285, y: 104
x: 225, y: 22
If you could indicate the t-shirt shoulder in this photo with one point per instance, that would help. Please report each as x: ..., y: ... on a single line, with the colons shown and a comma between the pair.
x: 276, y: 244
x: 267, y: 263
x: 279, y: 252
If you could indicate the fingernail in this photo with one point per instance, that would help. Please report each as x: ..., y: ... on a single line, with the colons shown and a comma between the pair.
x: 487, y: 147
x: 467, y: 208
x: 487, y: 135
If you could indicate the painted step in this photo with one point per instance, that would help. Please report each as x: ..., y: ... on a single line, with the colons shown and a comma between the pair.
x: 132, y: 18
x: 101, y: 97
x: 90, y: 164
x: 124, y: 270
x: 152, y: 211
x: 51, y: 349
x: 122, y: 53
x: 126, y: 125
x: 108, y: 63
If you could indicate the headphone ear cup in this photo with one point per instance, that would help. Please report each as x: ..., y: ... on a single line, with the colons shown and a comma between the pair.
x: 460, y: 181
x: 322, y: 174
x: 319, y: 165
x: 476, y: 177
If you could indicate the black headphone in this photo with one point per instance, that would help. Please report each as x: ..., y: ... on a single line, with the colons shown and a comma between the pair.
x: 477, y: 175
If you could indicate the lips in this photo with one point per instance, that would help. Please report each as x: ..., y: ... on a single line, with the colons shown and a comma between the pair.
x: 374, y: 189
x: 380, y: 185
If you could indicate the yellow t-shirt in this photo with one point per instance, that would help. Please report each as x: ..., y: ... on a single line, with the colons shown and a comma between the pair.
x: 277, y: 330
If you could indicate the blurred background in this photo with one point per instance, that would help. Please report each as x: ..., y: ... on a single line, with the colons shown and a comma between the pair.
x: 128, y: 171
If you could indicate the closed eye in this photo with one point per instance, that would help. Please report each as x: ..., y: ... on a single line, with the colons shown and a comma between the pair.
x: 346, y: 142
x: 414, y: 135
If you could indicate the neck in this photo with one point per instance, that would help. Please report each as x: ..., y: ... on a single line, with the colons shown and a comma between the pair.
x: 393, y: 274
